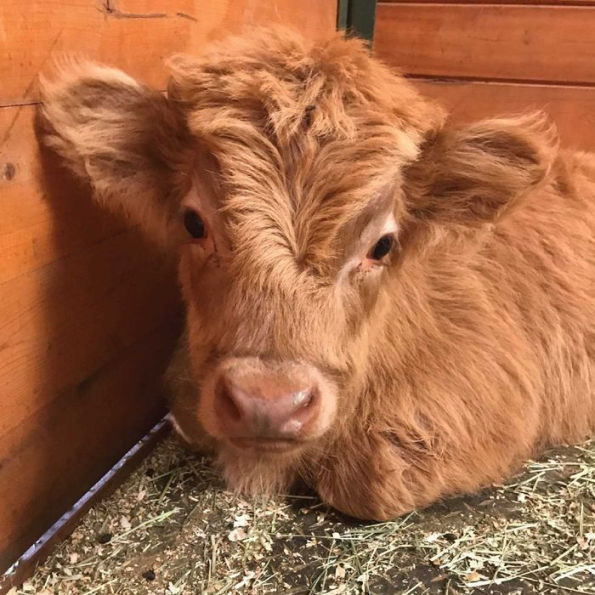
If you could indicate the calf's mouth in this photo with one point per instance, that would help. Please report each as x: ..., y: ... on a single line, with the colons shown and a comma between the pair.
x: 270, y: 446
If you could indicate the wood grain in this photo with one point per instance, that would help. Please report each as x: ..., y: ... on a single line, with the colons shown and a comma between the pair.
x: 136, y: 35
x: 88, y: 316
x: 507, y: 43
x: 34, y: 231
x: 54, y: 456
x: 105, y: 486
x: 571, y: 108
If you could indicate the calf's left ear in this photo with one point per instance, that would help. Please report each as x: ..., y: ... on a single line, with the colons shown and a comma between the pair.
x: 471, y: 174
x: 122, y: 137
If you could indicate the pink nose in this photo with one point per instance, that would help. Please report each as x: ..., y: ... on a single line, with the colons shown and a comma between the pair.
x: 258, y: 407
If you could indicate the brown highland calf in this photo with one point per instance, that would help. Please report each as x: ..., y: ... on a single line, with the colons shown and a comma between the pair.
x: 390, y: 306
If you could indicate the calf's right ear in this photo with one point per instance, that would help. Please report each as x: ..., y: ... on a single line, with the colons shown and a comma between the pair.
x: 123, y: 138
x: 471, y: 174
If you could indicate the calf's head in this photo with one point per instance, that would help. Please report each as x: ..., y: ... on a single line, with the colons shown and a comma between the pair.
x: 290, y: 177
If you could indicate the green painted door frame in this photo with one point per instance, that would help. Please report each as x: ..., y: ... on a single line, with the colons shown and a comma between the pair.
x: 357, y: 17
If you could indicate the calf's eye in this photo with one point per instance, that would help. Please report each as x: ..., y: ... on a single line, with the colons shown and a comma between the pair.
x: 382, y: 247
x: 194, y: 225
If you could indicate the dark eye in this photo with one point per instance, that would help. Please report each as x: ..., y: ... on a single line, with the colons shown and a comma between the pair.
x: 382, y: 247
x: 194, y: 225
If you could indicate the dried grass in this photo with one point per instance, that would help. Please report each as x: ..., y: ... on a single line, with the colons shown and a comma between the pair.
x: 173, y: 529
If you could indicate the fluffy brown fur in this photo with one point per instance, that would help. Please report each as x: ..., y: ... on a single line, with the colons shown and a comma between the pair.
x: 470, y: 349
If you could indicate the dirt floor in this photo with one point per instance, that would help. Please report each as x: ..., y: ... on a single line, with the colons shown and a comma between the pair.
x: 172, y: 529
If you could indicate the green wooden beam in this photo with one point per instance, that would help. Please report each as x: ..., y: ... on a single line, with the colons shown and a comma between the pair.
x: 342, y: 14
x: 357, y: 17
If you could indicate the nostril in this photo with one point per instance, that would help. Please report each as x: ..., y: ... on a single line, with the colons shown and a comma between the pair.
x: 302, y: 409
x: 301, y: 413
x: 227, y: 405
x: 303, y: 398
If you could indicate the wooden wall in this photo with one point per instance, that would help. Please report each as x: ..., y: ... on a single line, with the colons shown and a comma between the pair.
x: 491, y: 58
x: 88, y: 309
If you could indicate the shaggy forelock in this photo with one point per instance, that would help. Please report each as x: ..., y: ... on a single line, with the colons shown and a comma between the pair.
x: 302, y: 138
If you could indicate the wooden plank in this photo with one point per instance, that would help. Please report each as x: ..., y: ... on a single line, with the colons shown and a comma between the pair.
x: 54, y: 456
x: 105, y: 486
x: 61, y: 323
x: 82, y: 295
x: 506, y: 43
x: 571, y: 108
x: 70, y: 299
x: 34, y: 231
x: 135, y: 35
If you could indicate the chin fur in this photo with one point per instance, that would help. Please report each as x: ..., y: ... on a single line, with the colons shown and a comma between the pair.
x: 256, y: 473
